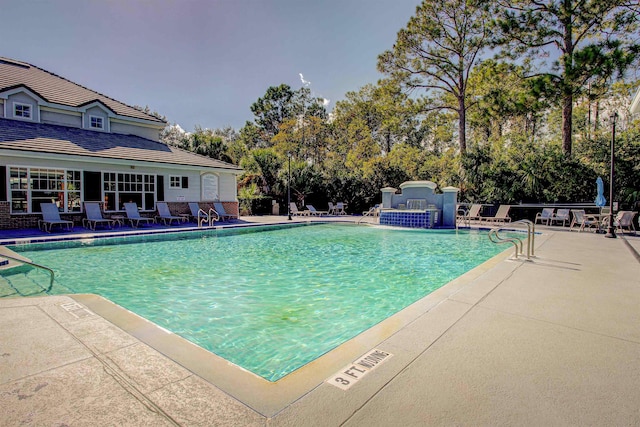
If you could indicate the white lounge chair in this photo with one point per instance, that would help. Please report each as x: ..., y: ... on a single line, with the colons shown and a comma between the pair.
x: 561, y: 215
x: 94, y: 216
x: 501, y: 216
x: 622, y: 221
x: 583, y: 220
x: 544, y: 216
x: 165, y: 214
x: 314, y: 212
x: 219, y: 208
x: 133, y: 215
x: 51, y: 217
x: 473, y: 214
x: 295, y: 212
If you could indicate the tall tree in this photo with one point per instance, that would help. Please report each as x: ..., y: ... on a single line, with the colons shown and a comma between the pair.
x: 273, y: 109
x: 594, y: 39
x: 436, y: 52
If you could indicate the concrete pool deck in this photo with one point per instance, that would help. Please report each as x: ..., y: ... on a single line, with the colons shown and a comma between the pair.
x: 555, y: 341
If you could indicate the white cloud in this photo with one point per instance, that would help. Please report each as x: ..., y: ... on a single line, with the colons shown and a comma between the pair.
x: 304, y: 82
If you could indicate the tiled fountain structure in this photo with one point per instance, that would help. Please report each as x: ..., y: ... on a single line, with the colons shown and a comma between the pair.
x: 418, y: 206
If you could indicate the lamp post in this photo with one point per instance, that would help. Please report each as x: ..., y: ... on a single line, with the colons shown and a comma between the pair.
x: 289, y: 187
x: 611, y: 233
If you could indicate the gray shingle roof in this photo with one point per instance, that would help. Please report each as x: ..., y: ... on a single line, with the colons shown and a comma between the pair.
x: 58, y: 90
x: 46, y: 138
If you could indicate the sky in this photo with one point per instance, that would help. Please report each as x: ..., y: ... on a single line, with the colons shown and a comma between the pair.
x: 204, y: 62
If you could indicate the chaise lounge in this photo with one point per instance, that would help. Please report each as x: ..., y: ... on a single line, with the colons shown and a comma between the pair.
x: 94, y: 216
x: 51, y: 217
x: 165, y: 214
x: 133, y: 215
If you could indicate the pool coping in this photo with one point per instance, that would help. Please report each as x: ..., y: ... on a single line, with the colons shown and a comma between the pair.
x: 270, y: 398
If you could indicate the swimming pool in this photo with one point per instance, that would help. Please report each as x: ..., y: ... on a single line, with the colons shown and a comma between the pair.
x: 272, y: 301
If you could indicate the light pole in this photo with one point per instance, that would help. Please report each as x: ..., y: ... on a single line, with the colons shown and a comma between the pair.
x: 289, y: 187
x: 611, y: 233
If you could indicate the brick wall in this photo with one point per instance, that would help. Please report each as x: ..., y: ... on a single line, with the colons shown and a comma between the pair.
x: 11, y: 222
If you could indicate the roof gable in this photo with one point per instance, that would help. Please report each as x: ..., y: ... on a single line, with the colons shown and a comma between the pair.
x: 58, y: 90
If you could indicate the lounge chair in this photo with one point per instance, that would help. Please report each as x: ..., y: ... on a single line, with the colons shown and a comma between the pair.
x: 94, y: 216
x: 583, y: 220
x: 314, y: 212
x: 473, y: 214
x: 295, y: 212
x: 561, y: 215
x: 133, y: 215
x: 165, y: 214
x: 51, y: 217
x: 501, y: 216
x: 200, y: 216
x: 221, y: 212
x: 544, y: 216
x: 625, y: 221
x: 622, y: 221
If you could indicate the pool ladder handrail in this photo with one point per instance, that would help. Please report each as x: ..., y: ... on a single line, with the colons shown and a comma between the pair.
x: 495, y: 237
x: 370, y: 213
x: 207, y: 217
x: 33, y: 264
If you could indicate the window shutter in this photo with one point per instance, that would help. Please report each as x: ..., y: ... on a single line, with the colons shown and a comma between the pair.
x: 185, y: 182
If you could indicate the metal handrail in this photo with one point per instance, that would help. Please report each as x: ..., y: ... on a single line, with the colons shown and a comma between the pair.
x: 531, y: 231
x: 211, y: 213
x: 371, y: 212
x: 500, y: 239
x: 531, y: 236
x: 33, y: 264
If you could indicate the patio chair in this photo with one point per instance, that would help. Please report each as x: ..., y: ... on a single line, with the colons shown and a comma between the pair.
x: 583, y: 220
x: 561, y: 215
x: 200, y: 216
x: 51, y: 217
x: 339, y: 209
x: 314, y: 212
x: 165, y: 214
x: 133, y: 215
x: 473, y: 214
x: 222, y: 214
x: 94, y: 216
x: 332, y: 209
x: 622, y: 221
x: 545, y: 215
x: 501, y: 216
x: 626, y: 221
x: 295, y: 212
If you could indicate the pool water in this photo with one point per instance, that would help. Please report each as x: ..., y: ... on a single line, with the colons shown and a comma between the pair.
x: 272, y: 301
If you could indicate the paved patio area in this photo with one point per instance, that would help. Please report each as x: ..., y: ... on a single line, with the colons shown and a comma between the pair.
x: 554, y: 341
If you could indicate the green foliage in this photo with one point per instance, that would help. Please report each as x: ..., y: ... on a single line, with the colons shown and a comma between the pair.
x: 514, y: 115
x: 436, y: 52
x: 596, y: 40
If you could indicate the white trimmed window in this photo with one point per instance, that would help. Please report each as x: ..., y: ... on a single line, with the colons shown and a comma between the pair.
x: 96, y: 122
x: 178, y: 181
x: 31, y: 186
x: 22, y: 111
x: 120, y: 188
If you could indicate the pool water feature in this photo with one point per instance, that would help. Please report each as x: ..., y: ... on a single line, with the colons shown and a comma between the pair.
x: 273, y: 301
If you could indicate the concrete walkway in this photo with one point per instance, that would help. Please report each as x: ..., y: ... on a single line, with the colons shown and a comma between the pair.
x: 555, y: 341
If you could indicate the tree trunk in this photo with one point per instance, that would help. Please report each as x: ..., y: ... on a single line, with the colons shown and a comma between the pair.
x: 567, y: 124
x: 462, y: 124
